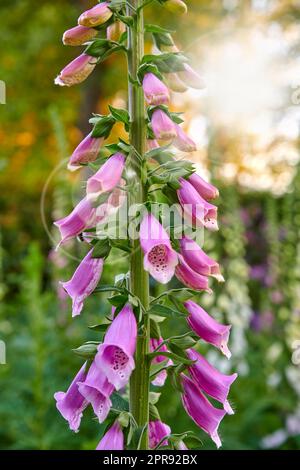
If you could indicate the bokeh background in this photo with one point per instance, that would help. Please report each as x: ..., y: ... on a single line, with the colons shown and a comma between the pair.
x: 246, y: 124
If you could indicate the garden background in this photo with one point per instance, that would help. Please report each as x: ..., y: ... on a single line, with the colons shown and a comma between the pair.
x: 246, y: 124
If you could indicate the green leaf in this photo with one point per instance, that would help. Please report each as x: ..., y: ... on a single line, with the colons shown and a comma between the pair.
x: 148, y: 68
x: 154, y: 397
x: 157, y: 367
x: 120, y: 115
x: 87, y: 350
x: 99, y: 327
x: 154, y: 28
x: 102, y: 248
x: 162, y: 310
x: 119, y: 403
x: 185, y: 342
x: 108, y: 288
x: 167, y: 63
x: 98, y: 47
x: 153, y: 413
x: 120, y: 244
x: 176, y: 357
x: 102, y: 126
x: 154, y: 329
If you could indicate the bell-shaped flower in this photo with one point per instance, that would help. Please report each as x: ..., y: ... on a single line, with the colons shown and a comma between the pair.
x: 87, y: 151
x: 183, y: 142
x: 96, y: 16
x: 76, y: 71
x: 195, y: 208
x: 160, y: 259
x: 205, y: 189
x: 84, y: 281
x: 190, y: 278
x: 107, y: 177
x: 208, y: 328
x: 176, y: 6
x: 191, y: 78
x: 96, y: 390
x: 82, y: 217
x: 202, y: 412
x: 78, y: 35
x: 155, y: 90
x: 157, y: 432
x: 174, y: 82
x: 163, y: 127
x: 198, y: 260
x: 210, y: 380
x: 71, y: 403
x: 115, y: 356
x: 113, y: 439
x: 161, y: 377
x: 115, y: 30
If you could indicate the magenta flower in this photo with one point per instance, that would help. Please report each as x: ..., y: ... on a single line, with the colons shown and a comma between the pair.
x: 84, y: 281
x: 113, y: 439
x: 201, y: 410
x: 160, y: 259
x: 207, y: 328
x: 115, y: 355
x: 107, y: 178
x: 210, y: 380
x: 96, y: 390
x: 77, y: 71
x: 87, y: 151
x: 196, y: 209
x: 205, y: 189
x: 199, y: 261
x: 71, y: 404
x: 95, y: 16
x: 78, y: 35
x: 155, y: 90
x: 82, y: 217
x: 157, y: 431
x: 190, y: 278
x: 191, y: 78
x: 183, y: 142
x: 163, y: 127
x: 161, y: 377
x: 181, y: 446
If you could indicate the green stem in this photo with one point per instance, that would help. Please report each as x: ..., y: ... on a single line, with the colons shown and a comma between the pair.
x: 139, y: 280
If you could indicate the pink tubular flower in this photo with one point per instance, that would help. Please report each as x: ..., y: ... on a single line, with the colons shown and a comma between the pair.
x: 84, y: 281
x: 115, y: 30
x: 191, y: 78
x: 95, y: 16
x: 87, y: 151
x: 82, y: 217
x: 155, y: 90
x: 160, y: 379
x: 190, y: 278
x: 201, y: 410
x: 199, y: 261
x: 77, y: 71
x: 157, y: 431
x: 205, y: 189
x: 96, y: 390
x: 195, y: 207
x: 210, y: 380
x: 174, y: 83
x: 115, y: 355
x: 163, y: 127
x: 183, y: 142
x: 207, y: 328
x: 78, y: 35
x: 107, y: 178
x: 113, y: 439
x: 160, y: 259
x: 71, y: 404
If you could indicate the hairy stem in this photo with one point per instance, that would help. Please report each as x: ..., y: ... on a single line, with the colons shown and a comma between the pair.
x: 139, y: 281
